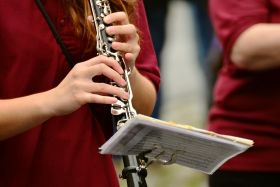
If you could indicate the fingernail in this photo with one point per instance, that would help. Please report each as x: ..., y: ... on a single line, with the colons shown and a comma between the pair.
x: 114, y: 100
x: 126, y: 94
x: 105, y: 19
x: 90, y: 18
x: 124, y: 83
x: 109, y: 30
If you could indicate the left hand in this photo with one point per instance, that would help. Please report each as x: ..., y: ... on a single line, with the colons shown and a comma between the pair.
x: 127, y: 39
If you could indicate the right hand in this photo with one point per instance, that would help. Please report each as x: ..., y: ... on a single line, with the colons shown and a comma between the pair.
x: 78, y: 87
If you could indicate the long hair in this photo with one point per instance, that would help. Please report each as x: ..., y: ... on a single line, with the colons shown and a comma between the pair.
x: 79, y: 10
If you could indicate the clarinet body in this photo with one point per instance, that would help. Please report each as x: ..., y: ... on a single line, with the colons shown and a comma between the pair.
x: 134, y: 170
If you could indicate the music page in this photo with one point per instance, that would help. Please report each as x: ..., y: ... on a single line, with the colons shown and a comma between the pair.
x: 173, y: 143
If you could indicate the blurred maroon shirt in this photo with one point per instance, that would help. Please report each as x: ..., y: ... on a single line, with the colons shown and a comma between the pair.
x: 246, y: 103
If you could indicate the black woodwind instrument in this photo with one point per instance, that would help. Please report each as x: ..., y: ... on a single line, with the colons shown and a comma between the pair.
x: 134, y: 166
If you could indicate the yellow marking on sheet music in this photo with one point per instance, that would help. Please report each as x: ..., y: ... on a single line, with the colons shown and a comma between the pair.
x: 189, y: 127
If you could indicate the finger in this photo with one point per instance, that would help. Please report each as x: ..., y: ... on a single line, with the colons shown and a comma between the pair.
x: 129, y: 29
x: 124, y: 47
x: 93, y: 98
x: 129, y: 57
x: 105, y: 70
x: 90, y: 18
x: 102, y: 88
x: 120, y: 17
x: 105, y: 60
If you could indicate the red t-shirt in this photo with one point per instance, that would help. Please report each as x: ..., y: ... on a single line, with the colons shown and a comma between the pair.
x: 64, y: 150
x: 246, y: 104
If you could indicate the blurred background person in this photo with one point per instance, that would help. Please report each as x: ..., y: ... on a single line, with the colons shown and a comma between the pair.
x: 247, y: 92
x: 213, y: 63
x: 157, y: 11
x: 203, y: 26
x: 208, y: 49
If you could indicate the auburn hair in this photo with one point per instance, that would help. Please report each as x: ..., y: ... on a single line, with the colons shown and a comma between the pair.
x: 79, y: 10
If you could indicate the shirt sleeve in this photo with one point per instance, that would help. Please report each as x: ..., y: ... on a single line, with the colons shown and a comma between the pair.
x: 232, y: 17
x: 146, y: 62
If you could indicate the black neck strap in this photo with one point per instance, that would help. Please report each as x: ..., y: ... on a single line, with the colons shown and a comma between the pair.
x: 55, y: 33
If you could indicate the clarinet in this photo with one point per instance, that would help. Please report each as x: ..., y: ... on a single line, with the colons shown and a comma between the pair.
x: 134, y: 166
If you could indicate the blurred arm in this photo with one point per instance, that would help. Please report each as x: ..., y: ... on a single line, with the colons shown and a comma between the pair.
x: 258, y: 48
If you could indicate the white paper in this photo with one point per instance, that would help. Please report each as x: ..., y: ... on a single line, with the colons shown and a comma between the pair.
x: 191, y: 147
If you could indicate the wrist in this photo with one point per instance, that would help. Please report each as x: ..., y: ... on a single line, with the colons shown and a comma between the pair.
x: 46, y: 104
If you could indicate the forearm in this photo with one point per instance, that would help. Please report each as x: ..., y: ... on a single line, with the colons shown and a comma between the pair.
x: 144, y: 93
x: 75, y: 90
x: 21, y: 114
x: 258, y: 48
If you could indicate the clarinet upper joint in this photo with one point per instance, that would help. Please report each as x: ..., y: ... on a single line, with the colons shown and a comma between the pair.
x: 100, y: 9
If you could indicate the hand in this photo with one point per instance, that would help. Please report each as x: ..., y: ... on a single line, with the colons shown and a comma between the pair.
x: 127, y: 39
x: 78, y: 87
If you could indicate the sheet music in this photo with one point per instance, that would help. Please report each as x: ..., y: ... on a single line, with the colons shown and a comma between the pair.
x: 191, y: 147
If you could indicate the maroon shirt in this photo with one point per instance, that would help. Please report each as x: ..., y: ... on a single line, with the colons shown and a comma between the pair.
x: 247, y: 104
x: 64, y: 150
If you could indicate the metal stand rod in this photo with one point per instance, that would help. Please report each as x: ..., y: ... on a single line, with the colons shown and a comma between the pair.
x: 134, y: 174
